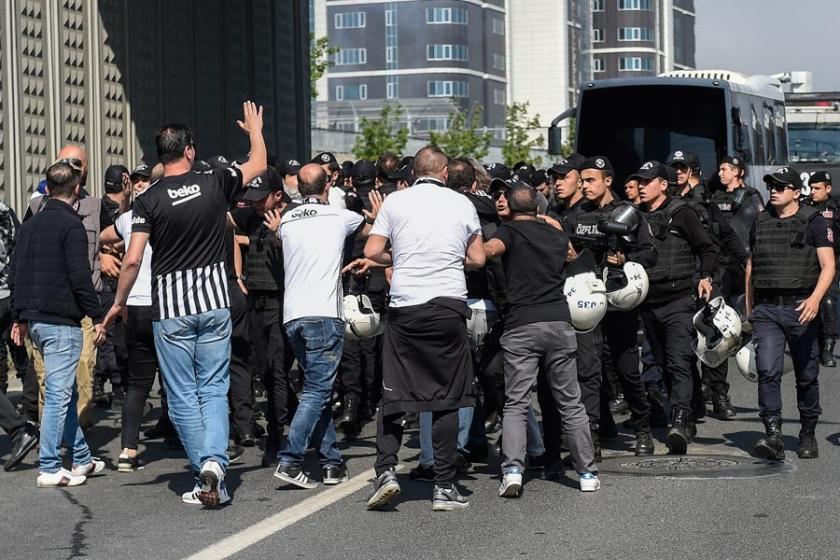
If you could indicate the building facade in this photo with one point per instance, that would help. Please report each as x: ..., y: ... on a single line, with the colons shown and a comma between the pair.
x: 429, y: 56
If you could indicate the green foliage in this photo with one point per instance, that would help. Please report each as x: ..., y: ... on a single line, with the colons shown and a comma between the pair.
x: 519, y: 135
x: 382, y: 134
x: 463, y: 139
x: 320, y: 52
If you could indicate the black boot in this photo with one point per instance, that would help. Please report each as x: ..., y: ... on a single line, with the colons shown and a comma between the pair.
x: 807, y: 440
x: 722, y: 407
x: 827, y: 354
x: 349, y: 422
x: 619, y: 405
x: 644, y: 441
x: 678, y: 435
x: 771, y: 447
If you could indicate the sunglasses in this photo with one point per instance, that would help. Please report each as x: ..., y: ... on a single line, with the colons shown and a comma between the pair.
x: 780, y: 188
x: 74, y: 163
x: 498, y: 194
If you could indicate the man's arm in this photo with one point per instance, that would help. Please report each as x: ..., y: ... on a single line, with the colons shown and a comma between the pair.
x: 79, y: 273
x: 475, y: 257
x: 128, y: 276
x: 493, y: 248
x: 748, y: 289
x: 253, y: 127
x: 376, y: 249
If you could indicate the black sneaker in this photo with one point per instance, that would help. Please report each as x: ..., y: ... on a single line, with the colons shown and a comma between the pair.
x: 294, y: 475
x: 235, y: 452
x: 126, y: 464
x: 536, y: 462
x: 422, y: 473
x: 335, y: 474
x: 447, y: 498
x: 462, y: 462
x: 385, y: 487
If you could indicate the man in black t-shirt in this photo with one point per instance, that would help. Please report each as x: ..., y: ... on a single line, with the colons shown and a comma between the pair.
x: 537, y: 331
x: 184, y: 217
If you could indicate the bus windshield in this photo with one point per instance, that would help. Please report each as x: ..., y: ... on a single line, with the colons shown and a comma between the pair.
x: 814, y: 143
x: 633, y: 124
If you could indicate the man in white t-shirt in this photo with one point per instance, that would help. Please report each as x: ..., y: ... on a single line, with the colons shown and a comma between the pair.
x: 433, y: 233
x: 313, y: 236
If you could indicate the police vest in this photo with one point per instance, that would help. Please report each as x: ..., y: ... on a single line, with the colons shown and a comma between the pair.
x: 88, y: 209
x: 586, y: 224
x: 830, y: 210
x: 781, y: 259
x: 264, y: 264
x: 740, y: 216
x: 675, y: 260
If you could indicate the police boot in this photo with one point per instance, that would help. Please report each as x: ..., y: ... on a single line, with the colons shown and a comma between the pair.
x: 827, y: 354
x: 349, y: 422
x: 678, y: 435
x: 771, y: 447
x: 722, y: 407
x: 807, y: 440
x: 644, y: 440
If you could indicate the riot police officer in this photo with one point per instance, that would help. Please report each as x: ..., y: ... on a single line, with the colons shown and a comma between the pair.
x: 790, y: 269
x: 821, y: 200
x: 680, y: 240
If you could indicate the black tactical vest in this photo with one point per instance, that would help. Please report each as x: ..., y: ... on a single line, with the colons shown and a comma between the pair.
x: 675, y: 260
x: 740, y: 216
x: 264, y: 263
x: 781, y: 260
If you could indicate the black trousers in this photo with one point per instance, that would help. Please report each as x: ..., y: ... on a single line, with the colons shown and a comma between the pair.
x: 142, y: 367
x: 828, y: 309
x: 670, y: 331
x: 389, y: 435
x: 240, y: 392
x: 358, y: 372
x: 26, y: 374
x: 272, y: 359
x: 620, y: 332
x: 112, y: 356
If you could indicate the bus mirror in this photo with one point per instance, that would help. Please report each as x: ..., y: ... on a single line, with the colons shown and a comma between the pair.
x: 555, y: 140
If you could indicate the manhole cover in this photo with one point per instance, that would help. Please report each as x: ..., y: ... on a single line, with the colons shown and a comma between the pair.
x: 693, y: 466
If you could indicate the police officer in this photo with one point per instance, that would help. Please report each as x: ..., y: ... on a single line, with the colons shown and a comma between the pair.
x: 618, y: 327
x: 680, y: 240
x: 790, y: 269
x: 821, y: 200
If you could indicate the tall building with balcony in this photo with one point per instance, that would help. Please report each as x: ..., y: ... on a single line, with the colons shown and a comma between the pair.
x: 429, y: 56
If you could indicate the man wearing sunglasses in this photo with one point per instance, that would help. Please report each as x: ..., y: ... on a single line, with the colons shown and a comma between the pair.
x: 790, y: 269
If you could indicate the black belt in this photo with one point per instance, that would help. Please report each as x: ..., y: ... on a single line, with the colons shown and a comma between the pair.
x: 780, y: 300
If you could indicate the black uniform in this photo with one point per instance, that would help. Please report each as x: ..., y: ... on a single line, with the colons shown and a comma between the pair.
x: 830, y: 211
x: 739, y: 209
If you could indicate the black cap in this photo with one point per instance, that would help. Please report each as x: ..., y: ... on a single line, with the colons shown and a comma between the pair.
x: 218, y: 162
x: 820, y: 177
x: 685, y: 158
x: 525, y: 171
x: 290, y: 167
x: 405, y: 171
x: 652, y: 170
x: 597, y: 162
x: 510, y: 184
x: 498, y: 171
x: 324, y: 158
x: 142, y: 170
x: 364, y: 173
x: 737, y: 161
x: 539, y: 177
x: 114, y: 178
x: 259, y: 188
x: 788, y: 176
x: 562, y: 167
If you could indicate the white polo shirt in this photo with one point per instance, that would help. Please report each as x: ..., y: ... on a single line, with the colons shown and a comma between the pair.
x: 429, y: 227
x: 141, y: 292
x: 313, y: 236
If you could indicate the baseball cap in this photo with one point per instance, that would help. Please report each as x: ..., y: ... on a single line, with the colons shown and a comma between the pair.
x: 405, y: 171
x: 597, y: 162
x: 562, y: 167
x: 525, y: 171
x: 788, y: 176
x: 734, y: 160
x: 506, y: 185
x: 685, y: 158
x: 218, y: 162
x: 142, y: 170
x: 259, y: 188
x: 324, y: 158
x: 652, y: 170
x: 113, y: 178
x: 539, y: 177
x: 820, y: 177
x: 364, y: 173
x: 290, y: 167
x: 498, y: 171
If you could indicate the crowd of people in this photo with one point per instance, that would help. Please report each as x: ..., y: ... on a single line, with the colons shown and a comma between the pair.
x: 425, y: 289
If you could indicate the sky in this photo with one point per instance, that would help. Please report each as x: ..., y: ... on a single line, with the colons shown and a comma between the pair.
x: 771, y: 36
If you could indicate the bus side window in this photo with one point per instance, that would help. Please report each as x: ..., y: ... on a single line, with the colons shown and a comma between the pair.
x: 772, y: 141
x: 759, y: 153
x: 781, y: 136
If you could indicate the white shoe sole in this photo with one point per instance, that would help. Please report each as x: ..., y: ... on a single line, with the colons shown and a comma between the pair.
x: 590, y: 486
x: 295, y: 482
x: 63, y: 483
x: 383, y: 496
x: 92, y: 469
x: 334, y: 481
x: 512, y: 490
x: 209, y: 493
x: 449, y: 506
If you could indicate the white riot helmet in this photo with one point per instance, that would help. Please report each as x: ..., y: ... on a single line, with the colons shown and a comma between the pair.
x: 718, y: 332
x: 360, y: 319
x: 585, y: 293
x: 745, y: 358
x: 626, y: 288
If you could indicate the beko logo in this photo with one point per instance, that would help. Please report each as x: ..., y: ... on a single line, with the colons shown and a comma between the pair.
x: 183, y: 194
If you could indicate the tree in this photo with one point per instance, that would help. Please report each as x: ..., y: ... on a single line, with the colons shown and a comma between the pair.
x: 519, y: 135
x: 383, y: 134
x: 320, y: 52
x: 463, y: 139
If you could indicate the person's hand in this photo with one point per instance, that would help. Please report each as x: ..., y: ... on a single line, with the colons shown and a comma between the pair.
x: 113, y: 314
x: 242, y: 287
x: 704, y: 288
x: 550, y: 221
x: 571, y: 254
x: 19, y: 332
x: 272, y: 220
x: 110, y: 265
x: 375, y: 199
x: 99, y: 334
x: 253, y: 117
x: 616, y: 258
x: 358, y: 267
x: 809, y: 309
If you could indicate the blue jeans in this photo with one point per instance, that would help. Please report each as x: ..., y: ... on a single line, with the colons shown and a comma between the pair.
x: 193, y: 353
x: 317, y: 343
x: 61, y: 346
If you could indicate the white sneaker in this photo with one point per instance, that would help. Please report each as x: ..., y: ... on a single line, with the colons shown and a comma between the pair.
x: 589, y: 482
x: 213, y: 489
x: 60, y: 478
x: 511, y: 486
x: 191, y: 497
x: 95, y: 466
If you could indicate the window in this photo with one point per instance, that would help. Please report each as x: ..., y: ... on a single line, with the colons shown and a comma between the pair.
x: 635, y: 34
x: 392, y: 88
x: 446, y: 52
x: 499, y: 97
x: 448, y: 88
x: 390, y: 20
x: 339, y: 93
x: 362, y: 91
x: 350, y: 20
x: 499, y: 61
x: 446, y: 15
x: 350, y: 92
x: 390, y: 54
x: 635, y: 63
x: 432, y: 123
x: 597, y: 65
x: 597, y: 5
x: 351, y: 56
x: 645, y: 5
x: 498, y: 26
x: 597, y: 35
x: 349, y: 126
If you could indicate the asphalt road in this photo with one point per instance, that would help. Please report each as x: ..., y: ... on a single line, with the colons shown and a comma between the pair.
x: 790, y: 515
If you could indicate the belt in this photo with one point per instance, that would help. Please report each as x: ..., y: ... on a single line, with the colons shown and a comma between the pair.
x: 780, y: 300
